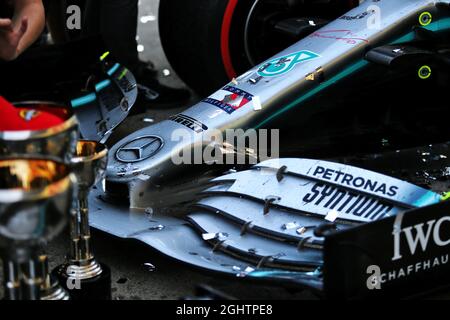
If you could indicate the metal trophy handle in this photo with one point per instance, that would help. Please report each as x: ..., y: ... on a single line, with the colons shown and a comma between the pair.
x: 35, y: 196
x: 82, y: 275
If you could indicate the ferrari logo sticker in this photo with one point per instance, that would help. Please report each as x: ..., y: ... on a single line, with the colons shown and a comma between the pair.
x: 28, y: 115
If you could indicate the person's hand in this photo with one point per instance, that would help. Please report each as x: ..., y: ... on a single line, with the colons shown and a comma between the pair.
x: 10, y: 36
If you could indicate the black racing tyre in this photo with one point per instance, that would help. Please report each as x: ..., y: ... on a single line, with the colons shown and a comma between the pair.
x: 57, y: 15
x: 196, y: 37
x: 208, y: 42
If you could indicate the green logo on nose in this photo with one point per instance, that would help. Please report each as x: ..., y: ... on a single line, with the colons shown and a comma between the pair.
x: 282, y: 65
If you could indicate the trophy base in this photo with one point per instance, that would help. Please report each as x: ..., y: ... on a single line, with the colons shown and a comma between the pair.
x: 55, y: 293
x: 94, y: 288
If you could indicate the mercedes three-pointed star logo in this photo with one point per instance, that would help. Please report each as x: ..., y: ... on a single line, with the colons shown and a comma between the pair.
x: 139, y: 149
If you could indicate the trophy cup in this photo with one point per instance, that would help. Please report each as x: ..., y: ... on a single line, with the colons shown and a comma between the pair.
x: 89, y: 279
x: 35, y: 197
x: 56, y: 142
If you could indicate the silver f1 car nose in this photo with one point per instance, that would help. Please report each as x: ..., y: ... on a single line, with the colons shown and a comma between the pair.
x: 294, y: 80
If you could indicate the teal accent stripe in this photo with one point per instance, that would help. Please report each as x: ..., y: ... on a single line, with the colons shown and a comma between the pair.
x: 435, y: 26
x: 427, y: 199
x: 439, y: 25
x: 282, y: 274
x: 102, y: 85
x: 113, y: 69
x: 83, y: 100
x: 406, y: 38
x: 313, y: 92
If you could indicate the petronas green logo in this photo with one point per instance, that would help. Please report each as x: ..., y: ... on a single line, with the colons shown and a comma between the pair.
x: 282, y: 65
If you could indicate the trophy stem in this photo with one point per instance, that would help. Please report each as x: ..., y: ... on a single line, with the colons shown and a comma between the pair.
x: 31, y: 280
x: 74, y: 234
x: 88, y: 279
x: 82, y: 276
x: 81, y: 248
x: 12, y: 285
x: 50, y: 288
x: 85, y: 233
x: 43, y: 264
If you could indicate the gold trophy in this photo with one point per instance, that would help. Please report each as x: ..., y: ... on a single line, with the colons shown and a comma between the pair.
x: 82, y: 269
x: 55, y: 143
x: 35, y: 197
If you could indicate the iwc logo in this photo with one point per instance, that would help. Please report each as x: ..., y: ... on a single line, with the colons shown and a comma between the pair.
x: 139, y: 149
